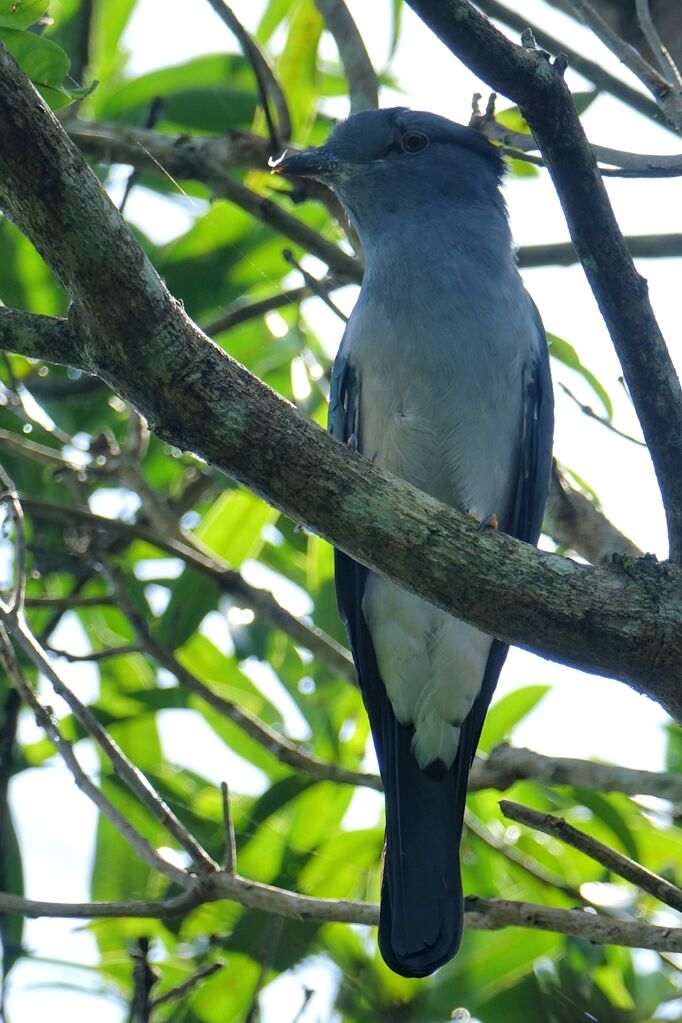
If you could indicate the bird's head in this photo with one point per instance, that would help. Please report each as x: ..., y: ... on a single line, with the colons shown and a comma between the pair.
x: 382, y: 162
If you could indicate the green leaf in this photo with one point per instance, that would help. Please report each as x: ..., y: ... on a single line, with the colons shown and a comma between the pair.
x: 19, y: 14
x: 566, y: 354
x: 211, y: 93
x: 506, y: 713
x: 45, y: 63
x: 233, y: 527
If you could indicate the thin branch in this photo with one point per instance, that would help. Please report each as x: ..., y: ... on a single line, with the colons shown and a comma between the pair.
x: 316, y: 287
x: 209, y: 160
x: 230, y: 843
x: 281, y: 748
x: 9, y: 497
x: 588, y: 411
x: 47, y: 721
x: 644, y: 246
x: 268, y: 85
x: 507, y: 765
x: 520, y: 859
x: 126, y: 770
x: 665, y: 62
x: 324, y: 647
x: 360, y: 75
x: 620, y: 161
x: 612, y: 860
x: 187, y: 985
x: 591, y: 70
x: 669, y: 99
x: 96, y: 655
x: 480, y: 914
x: 68, y: 601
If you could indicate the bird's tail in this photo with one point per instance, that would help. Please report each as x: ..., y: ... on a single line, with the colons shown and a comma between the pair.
x: 420, y: 923
x: 422, y: 906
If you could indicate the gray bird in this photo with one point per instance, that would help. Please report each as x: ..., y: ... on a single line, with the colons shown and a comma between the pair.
x: 443, y: 377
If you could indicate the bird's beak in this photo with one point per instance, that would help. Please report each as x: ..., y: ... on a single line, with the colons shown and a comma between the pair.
x: 315, y: 163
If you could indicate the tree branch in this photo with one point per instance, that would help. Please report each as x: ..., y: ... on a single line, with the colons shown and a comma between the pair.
x: 527, y: 77
x: 611, y: 859
x: 573, y: 521
x: 644, y: 246
x: 480, y: 914
x: 625, y: 623
x: 360, y: 75
x: 508, y: 764
x: 40, y: 337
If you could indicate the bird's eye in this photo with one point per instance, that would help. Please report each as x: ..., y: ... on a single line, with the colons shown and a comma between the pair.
x: 414, y: 141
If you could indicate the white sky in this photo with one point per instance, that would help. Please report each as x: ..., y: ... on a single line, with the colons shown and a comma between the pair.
x: 583, y: 716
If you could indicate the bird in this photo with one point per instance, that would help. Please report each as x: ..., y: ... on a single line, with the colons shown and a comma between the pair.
x: 442, y: 377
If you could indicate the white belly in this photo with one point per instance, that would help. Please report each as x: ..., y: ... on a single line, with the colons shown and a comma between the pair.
x: 431, y: 663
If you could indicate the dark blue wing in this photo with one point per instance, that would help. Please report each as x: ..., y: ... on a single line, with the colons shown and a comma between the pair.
x: 421, y: 916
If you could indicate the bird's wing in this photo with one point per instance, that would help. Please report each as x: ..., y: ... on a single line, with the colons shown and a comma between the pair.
x: 421, y: 916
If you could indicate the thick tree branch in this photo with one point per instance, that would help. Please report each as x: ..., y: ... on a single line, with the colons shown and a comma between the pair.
x: 626, y: 623
x: 527, y: 77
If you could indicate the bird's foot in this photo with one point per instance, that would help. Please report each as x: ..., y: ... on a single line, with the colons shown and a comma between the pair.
x: 484, y: 521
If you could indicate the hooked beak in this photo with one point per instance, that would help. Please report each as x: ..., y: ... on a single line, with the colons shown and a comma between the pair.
x: 315, y: 163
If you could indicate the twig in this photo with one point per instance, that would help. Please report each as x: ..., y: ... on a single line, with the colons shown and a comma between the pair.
x: 612, y: 860
x: 186, y: 986
x: 48, y: 723
x: 660, y: 51
x: 318, y: 288
x: 268, y: 86
x: 68, y: 601
x: 591, y: 414
x: 96, y: 655
x: 8, y: 496
x: 144, y: 979
x: 362, y: 80
x: 230, y: 843
x: 133, y: 778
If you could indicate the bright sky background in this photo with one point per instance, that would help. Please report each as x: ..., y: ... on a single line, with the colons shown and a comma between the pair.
x: 583, y: 716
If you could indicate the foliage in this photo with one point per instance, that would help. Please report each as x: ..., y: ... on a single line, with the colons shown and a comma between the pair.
x: 69, y: 441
